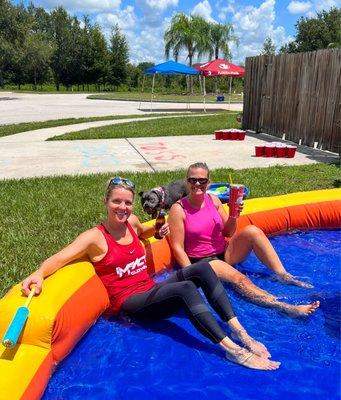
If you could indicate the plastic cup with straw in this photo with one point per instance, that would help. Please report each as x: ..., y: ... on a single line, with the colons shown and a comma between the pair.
x: 235, y: 198
x: 17, y: 324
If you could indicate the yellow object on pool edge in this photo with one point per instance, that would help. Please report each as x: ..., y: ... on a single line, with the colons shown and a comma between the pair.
x: 54, y: 328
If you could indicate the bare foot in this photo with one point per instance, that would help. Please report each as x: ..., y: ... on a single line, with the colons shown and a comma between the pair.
x: 253, y: 345
x: 250, y: 360
x: 290, y: 280
x: 304, y: 309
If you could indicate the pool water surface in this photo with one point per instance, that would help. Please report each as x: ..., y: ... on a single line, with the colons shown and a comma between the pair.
x: 169, y: 359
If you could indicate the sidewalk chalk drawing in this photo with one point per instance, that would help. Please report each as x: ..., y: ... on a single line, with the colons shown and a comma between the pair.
x: 160, y: 152
x: 96, y: 156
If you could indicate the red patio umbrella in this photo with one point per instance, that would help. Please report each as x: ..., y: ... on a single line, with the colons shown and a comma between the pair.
x: 219, y: 67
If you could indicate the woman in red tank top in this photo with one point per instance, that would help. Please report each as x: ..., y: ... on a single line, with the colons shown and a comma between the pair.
x: 119, y: 259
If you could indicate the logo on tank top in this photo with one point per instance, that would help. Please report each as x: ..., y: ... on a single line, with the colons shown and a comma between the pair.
x: 133, y: 267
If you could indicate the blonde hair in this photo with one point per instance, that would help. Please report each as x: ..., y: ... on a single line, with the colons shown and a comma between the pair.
x: 110, y: 186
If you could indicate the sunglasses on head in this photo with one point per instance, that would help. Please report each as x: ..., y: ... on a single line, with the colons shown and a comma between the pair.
x: 193, y: 181
x: 119, y: 181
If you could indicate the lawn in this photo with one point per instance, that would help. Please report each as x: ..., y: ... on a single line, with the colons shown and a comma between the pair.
x: 38, y: 216
x: 201, y: 124
x: 11, y: 129
x: 159, y: 97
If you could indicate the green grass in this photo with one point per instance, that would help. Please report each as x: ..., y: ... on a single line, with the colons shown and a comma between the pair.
x: 176, y: 126
x: 6, y: 130
x: 159, y: 97
x: 39, y: 216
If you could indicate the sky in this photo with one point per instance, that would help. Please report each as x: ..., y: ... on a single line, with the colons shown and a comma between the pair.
x: 145, y: 21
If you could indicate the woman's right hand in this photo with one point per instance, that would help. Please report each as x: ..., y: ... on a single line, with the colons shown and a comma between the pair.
x: 34, y: 279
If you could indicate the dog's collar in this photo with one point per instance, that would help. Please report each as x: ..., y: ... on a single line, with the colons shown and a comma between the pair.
x: 160, y: 191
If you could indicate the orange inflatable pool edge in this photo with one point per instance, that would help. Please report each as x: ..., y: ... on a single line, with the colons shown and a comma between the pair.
x: 74, y: 297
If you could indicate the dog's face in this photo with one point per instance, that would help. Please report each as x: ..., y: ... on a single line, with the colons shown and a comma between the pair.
x: 150, y: 202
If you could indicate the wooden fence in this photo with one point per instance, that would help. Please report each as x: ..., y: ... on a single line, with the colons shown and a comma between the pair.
x: 297, y: 95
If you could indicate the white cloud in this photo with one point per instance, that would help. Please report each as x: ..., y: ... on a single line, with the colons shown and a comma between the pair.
x: 152, y: 11
x: 203, y: 9
x: 85, y: 6
x: 161, y: 5
x: 299, y: 7
x: 309, y: 8
x: 126, y: 19
x: 253, y: 25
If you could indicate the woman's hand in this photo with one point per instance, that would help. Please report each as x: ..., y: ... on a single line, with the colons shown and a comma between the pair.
x: 37, y: 279
x: 164, y: 230
x: 241, y: 206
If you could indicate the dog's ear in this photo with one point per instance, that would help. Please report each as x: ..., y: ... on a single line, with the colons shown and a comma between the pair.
x: 140, y: 194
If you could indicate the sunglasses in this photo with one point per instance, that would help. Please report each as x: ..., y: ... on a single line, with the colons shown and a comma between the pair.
x: 193, y: 181
x: 119, y: 181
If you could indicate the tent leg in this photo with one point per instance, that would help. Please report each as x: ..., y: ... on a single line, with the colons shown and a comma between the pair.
x: 144, y: 77
x: 151, y: 97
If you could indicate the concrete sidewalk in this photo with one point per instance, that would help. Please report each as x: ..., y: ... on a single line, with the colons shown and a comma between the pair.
x: 27, y: 154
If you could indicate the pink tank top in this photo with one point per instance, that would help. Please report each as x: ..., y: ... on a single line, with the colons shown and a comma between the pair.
x: 203, y: 229
x: 123, y: 270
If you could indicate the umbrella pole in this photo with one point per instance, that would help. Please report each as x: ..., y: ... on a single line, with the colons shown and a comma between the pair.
x: 151, y: 97
x: 144, y: 77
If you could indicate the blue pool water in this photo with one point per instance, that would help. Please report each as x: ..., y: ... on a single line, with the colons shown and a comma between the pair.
x: 121, y: 360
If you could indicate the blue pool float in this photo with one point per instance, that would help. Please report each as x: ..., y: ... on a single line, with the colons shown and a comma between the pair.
x: 222, y: 190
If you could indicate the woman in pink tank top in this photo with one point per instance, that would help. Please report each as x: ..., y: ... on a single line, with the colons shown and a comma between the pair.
x: 119, y: 259
x: 202, y: 230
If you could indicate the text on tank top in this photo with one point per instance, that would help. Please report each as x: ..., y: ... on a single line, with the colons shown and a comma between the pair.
x: 123, y: 270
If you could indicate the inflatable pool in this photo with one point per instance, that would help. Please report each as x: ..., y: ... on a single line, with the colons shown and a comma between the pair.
x: 74, y: 297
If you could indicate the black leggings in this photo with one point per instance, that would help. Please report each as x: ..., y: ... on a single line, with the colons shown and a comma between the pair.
x: 180, y: 291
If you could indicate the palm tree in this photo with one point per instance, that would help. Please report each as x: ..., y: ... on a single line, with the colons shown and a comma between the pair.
x: 219, y: 36
x: 186, y: 32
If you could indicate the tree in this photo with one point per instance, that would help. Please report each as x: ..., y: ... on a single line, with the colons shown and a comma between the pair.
x: 118, y: 57
x: 218, y: 38
x: 187, y: 33
x: 269, y: 47
x: 321, y: 32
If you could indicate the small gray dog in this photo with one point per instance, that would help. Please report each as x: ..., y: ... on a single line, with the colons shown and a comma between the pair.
x: 151, y: 200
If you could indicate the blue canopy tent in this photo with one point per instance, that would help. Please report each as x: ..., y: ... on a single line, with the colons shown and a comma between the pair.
x: 167, y: 68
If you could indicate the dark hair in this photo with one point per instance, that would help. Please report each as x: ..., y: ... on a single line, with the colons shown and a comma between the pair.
x: 110, y: 186
x: 196, y: 165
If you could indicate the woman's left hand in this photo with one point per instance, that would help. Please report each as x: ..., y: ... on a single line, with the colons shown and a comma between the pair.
x: 164, y: 230
x: 241, y: 206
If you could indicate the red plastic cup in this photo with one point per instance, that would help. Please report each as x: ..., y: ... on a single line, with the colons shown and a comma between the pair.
x: 269, y: 150
x: 281, y: 151
x: 218, y: 135
x: 235, y: 198
x: 259, y: 150
x: 241, y: 135
x: 234, y: 135
x: 227, y: 135
x: 291, y: 151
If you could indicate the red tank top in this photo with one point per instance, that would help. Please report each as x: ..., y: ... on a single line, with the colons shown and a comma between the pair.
x: 123, y: 270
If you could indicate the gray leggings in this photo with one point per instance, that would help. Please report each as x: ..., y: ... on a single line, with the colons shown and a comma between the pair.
x: 180, y: 290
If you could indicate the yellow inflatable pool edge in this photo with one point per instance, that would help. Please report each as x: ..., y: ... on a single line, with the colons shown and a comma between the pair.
x: 74, y: 297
